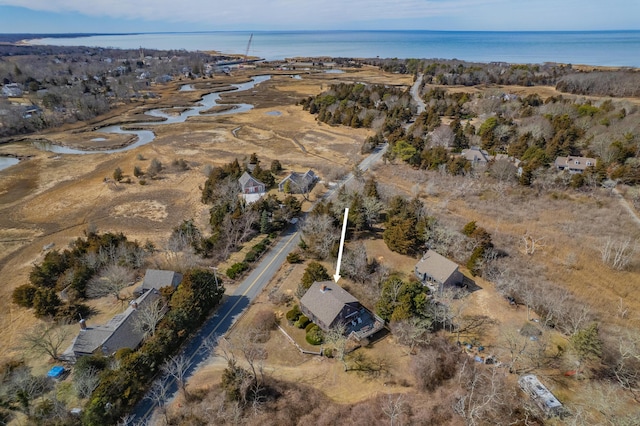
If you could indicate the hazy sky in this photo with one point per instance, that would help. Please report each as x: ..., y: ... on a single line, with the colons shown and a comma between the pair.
x: 63, y: 16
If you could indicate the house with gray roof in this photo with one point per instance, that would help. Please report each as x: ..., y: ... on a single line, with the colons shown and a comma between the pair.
x: 298, y: 183
x: 574, y: 164
x: 476, y: 156
x: 252, y: 188
x: 156, y: 279
x: 438, y: 272
x: 327, y: 304
x: 120, y: 332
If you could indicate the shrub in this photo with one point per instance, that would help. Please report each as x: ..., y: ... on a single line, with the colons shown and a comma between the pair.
x: 236, y: 269
x: 309, y: 326
x: 469, y: 228
x: 265, y: 320
x: 117, y: 174
x: 142, y: 182
x: 293, y: 314
x: 328, y: 352
x: 23, y: 295
x: 302, y: 321
x: 137, y: 171
x: 314, y: 336
x: 294, y: 258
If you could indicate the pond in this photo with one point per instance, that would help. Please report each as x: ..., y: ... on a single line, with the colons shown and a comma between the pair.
x: 6, y: 162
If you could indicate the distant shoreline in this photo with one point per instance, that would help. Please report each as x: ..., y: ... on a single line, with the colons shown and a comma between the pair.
x: 603, y: 48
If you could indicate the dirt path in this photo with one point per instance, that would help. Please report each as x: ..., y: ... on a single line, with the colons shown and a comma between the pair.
x: 624, y: 203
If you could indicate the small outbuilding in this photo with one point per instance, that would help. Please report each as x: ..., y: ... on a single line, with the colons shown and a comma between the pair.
x: 437, y: 271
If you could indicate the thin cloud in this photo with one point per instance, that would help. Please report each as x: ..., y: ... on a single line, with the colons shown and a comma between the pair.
x: 332, y: 14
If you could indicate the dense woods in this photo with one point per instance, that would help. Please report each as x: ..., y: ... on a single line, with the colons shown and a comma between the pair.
x: 530, y: 129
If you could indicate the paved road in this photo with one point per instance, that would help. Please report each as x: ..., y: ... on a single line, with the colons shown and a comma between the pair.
x: 415, y: 93
x: 234, y: 305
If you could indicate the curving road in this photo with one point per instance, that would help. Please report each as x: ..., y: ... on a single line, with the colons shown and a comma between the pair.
x: 415, y: 93
x: 197, y: 350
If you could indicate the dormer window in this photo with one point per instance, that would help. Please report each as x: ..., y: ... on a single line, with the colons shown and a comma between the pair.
x: 589, y: 163
x: 577, y: 162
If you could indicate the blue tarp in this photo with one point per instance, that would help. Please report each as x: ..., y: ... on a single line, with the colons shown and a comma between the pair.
x: 56, y: 372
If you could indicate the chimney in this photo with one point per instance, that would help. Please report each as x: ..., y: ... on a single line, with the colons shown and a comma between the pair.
x: 323, y: 288
x: 134, y: 304
x: 83, y: 324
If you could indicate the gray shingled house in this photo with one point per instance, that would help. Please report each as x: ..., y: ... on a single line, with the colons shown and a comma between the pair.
x: 327, y: 305
x: 437, y: 271
x: 120, y: 332
x: 574, y: 164
x: 156, y: 279
x: 299, y: 183
x: 251, y: 185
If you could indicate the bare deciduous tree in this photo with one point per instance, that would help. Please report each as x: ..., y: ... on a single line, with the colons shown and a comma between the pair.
x: 177, y: 367
x: 531, y: 243
x: 355, y: 263
x: 412, y: 332
x: 320, y: 235
x: 393, y: 407
x: 336, y: 339
x: 148, y: 316
x: 111, y: 280
x: 618, y: 254
x: 159, y: 396
x: 47, y: 340
x: 85, y: 381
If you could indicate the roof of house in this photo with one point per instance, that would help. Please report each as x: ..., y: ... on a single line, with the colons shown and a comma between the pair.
x: 436, y: 266
x: 120, y: 332
x: 476, y: 155
x: 157, y: 278
x: 326, y: 299
x: 246, y: 178
x: 300, y: 180
x: 574, y: 162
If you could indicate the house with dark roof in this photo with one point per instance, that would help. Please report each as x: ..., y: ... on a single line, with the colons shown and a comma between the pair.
x: 574, y: 164
x: 298, y: 183
x: 328, y: 305
x: 476, y: 156
x: 252, y: 188
x: 156, y: 279
x: 120, y: 332
x: 438, y: 272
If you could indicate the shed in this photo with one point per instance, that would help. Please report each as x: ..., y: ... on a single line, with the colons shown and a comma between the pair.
x: 438, y: 271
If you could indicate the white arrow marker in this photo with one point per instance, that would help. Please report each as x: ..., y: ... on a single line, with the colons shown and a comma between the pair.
x: 336, y: 277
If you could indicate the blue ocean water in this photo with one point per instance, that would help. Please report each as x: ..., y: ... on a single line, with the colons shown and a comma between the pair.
x: 606, y: 48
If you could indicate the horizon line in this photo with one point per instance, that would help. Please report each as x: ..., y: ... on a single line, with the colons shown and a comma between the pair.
x: 308, y: 31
